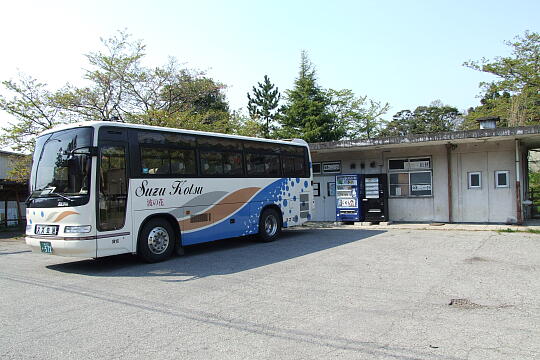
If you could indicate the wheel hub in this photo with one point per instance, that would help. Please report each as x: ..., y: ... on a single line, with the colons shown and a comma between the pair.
x: 158, y: 240
x: 270, y: 225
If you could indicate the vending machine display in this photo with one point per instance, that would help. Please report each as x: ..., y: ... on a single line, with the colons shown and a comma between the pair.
x: 349, y: 190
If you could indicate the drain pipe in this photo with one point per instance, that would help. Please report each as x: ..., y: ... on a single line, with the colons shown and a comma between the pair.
x: 518, y: 186
x: 449, y: 148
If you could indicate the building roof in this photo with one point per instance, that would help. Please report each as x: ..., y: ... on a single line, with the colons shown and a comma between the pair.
x: 529, y: 136
x: 10, y: 153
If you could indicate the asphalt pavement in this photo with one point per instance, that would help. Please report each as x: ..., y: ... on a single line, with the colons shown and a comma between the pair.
x: 316, y: 293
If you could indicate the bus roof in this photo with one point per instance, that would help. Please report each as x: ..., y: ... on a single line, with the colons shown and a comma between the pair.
x: 98, y: 124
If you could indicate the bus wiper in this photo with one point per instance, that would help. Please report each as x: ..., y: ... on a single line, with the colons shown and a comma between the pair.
x: 62, y: 196
x: 52, y: 192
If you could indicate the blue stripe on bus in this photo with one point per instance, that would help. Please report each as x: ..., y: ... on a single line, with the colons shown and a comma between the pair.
x: 247, y: 217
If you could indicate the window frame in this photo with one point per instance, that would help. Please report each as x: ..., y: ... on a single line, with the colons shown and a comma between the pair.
x: 407, y: 170
x: 408, y: 184
x: 469, y: 182
x: 243, y: 147
x: 313, y: 168
x: 101, y: 181
x: 430, y: 172
x: 507, y: 173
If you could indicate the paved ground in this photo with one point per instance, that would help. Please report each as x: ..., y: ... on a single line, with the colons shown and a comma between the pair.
x: 333, y: 293
x: 528, y: 226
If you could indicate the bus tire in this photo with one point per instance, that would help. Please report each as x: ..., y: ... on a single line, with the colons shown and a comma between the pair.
x: 269, y: 225
x: 156, y: 241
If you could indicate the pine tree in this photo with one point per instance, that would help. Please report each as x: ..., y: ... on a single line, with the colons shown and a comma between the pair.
x: 263, y: 104
x: 306, y: 114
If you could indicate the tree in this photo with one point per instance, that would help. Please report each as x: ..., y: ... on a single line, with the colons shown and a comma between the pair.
x: 360, y: 116
x: 264, y: 104
x: 515, y: 95
x: 306, y: 114
x: 117, y: 86
x: 34, y: 110
x: 424, y: 119
x: 244, y: 125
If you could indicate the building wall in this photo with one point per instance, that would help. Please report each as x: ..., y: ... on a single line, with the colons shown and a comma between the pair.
x: 433, y: 208
x: 487, y: 204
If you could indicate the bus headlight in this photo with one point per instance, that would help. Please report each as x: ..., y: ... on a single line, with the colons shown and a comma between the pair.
x: 78, y: 229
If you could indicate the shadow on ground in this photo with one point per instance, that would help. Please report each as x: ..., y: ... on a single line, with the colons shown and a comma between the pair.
x: 221, y: 257
x: 11, y: 233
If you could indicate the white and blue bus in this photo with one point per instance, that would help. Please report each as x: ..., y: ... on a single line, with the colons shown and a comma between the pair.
x: 104, y: 188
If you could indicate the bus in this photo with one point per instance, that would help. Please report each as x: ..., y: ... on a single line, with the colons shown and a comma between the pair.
x: 105, y: 188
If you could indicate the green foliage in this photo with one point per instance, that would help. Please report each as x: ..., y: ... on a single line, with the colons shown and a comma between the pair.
x: 263, y: 106
x: 245, y: 125
x: 507, y: 230
x: 118, y: 86
x: 306, y: 114
x: 515, y: 95
x: 34, y: 110
x: 19, y: 168
x: 534, y: 181
x: 359, y: 116
x: 424, y: 119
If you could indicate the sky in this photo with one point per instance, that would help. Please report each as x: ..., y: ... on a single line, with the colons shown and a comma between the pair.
x: 406, y: 53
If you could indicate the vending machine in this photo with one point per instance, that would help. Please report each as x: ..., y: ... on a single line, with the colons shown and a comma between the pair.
x: 375, y: 198
x: 349, y: 191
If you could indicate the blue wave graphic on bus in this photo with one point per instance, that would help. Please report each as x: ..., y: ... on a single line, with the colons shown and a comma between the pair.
x: 246, y: 220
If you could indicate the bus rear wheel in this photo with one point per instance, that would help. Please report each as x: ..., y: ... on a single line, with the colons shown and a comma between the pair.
x: 269, y: 225
x: 156, y: 241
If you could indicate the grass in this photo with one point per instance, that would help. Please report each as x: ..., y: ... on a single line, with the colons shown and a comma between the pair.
x: 508, y: 230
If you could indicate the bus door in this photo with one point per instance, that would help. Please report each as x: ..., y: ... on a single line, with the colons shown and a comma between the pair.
x: 113, y: 236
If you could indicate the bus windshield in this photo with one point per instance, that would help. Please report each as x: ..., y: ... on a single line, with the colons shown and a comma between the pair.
x: 61, y: 165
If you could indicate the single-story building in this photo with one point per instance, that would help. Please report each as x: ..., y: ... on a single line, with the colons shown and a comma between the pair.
x: 462, y: 176
x: 12, y: 193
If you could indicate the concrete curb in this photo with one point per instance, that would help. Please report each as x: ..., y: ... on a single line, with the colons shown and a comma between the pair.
x: 423, y: 226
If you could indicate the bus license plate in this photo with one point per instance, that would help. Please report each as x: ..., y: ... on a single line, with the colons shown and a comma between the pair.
x: 46, y: 247
x: 46, y: 229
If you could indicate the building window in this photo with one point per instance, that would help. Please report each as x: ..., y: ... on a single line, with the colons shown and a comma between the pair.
x: 399, y: 184
x: 502, y: 178
x: 316, y: 168
x: 475, y: 180
x: 410, y: 177
x: 420, y: 183
x: 331, y: 188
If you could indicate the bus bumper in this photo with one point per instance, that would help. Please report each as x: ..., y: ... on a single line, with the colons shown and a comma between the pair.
x: 76, y: 248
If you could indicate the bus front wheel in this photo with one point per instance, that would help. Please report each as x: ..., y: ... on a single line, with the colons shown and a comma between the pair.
x: 269, y: 225
x: 156, y: 241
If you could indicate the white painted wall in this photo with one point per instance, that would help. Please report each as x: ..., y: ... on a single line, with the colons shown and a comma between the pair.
x: 488, y: 204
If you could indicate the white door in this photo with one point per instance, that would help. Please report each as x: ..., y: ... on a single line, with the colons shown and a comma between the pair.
x: 112, y: 223
x: 475, y: 182
x: 324, y: 193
